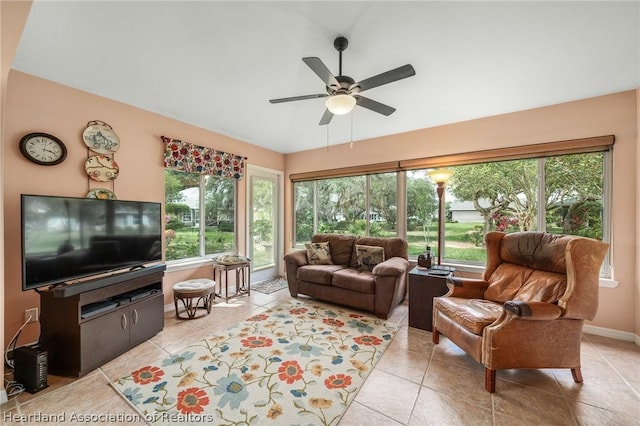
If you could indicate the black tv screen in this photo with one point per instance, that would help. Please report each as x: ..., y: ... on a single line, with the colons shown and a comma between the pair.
x: 65, y: 238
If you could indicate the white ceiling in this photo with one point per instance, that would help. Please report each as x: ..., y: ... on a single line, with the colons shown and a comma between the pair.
x: 216, y: 64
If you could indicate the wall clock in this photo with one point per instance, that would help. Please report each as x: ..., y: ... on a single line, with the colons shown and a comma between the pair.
x: 43, y: 149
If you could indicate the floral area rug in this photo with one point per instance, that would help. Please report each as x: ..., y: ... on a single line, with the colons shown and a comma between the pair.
x: 268, y: 287
x: 296, y: 364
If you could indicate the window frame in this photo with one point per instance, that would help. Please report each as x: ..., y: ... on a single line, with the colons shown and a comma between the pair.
x: 538, y: 152
x: 202, y: 256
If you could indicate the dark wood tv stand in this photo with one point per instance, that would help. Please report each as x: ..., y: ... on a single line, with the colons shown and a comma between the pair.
x: 79, y: 340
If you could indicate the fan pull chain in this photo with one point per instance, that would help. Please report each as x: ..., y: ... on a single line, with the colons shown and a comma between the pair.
x: 351, y: 144
x: 327, y: 138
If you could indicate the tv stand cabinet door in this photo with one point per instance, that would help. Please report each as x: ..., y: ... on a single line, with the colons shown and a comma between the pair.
x: 104, y: 338
x: 147, y: 319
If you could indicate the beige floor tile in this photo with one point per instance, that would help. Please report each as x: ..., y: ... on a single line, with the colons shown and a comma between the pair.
x: 602, y: 387
x: 360, y: 415
x: 144, y: 354
x: 541, y: 379
x: 588, y: 415
x: 406, y: 364
x: 88, y: 396
x: 413, y: 339
x: 389, y: 394
x: 531, y: 406
x: 450, y: 379
x: 435, y: 408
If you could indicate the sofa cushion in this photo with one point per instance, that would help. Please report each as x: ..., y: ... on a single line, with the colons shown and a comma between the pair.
x: 516, y: 282
x: 351, y: 279
x: 318, y: 253
x: 341, y: 246
x: 368, y: 257
x: 393, y: 247
x: 472, y: 314
x: 318, y: 274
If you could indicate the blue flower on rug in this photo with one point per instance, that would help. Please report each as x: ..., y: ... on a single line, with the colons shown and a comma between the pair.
x: 362, y: 326
x: 304, y: 349
x: 233, y: 391
x: 178, y: 358
x: 133, y: 395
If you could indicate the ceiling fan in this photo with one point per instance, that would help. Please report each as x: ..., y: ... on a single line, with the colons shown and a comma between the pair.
x: 343, y: 91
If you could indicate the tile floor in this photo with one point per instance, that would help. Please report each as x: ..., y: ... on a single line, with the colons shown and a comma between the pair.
x: 414, y: 383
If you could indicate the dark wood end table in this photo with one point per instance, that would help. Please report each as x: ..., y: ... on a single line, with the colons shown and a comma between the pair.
x: 423, y: 287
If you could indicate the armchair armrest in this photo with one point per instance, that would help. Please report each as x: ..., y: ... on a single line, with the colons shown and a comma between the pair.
x: 297, y: 258
x: 533, y: 310
x: 394, y: 266
x: 468, y: 288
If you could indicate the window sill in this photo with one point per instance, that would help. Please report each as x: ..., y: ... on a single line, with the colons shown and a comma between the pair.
x: 478, y: 270
x: 181, y: 265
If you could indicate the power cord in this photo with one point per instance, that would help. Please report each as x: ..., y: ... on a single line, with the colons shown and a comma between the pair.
x: 9, y: 362
x: 12, y: 387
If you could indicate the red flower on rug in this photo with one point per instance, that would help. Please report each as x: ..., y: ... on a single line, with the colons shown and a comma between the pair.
x: 367, y: 340
x: 256, y: 342
x: 290, y: 371
x: 298, y: 311
x: 147, y: 375
x: 337, y: 381
x: 259, y: 317
x: 333, y: 322
x: 192, y: 401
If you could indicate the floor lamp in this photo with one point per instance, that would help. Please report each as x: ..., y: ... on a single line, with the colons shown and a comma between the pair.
x: 440, y: 177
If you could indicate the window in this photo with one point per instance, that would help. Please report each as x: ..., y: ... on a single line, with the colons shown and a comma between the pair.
x: 561, y: 194
x: 355, y: 205
x: 199, y: 215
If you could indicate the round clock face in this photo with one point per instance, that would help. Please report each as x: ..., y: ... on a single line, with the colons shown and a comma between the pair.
x: 42, y: 148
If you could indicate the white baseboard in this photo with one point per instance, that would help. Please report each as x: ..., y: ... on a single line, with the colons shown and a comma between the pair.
x: 614, y: 334
x: 3, y: 396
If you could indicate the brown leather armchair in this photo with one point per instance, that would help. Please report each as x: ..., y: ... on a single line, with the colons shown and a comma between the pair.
x: 530, y: 306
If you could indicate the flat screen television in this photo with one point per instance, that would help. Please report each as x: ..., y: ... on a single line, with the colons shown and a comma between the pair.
x: 66, y: 238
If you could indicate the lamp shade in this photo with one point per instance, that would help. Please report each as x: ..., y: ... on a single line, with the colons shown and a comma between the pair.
x: 340, y: 104
x: 440, y: 175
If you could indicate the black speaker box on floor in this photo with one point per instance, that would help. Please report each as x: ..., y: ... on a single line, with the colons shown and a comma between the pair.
x: 30, y: 368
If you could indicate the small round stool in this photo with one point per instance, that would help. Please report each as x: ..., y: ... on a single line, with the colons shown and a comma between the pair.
x: 200, y: 289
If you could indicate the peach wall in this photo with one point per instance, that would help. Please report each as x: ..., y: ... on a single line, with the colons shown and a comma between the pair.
x: 13, y: 16
x: 613, y: 114
x: 35, y: 104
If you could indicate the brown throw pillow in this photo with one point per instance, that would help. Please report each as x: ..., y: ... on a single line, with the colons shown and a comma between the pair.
x: 368, y: 257
x: 318, y: 253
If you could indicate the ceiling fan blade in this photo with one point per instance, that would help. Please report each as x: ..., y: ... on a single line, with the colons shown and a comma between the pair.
x: 298, y: 98
x: 326, y: 117
x: 374, y: 105
x: 322, y: 71
x: 384, y: 78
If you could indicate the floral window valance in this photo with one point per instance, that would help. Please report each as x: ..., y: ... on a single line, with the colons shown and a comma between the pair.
x: 187, y: 157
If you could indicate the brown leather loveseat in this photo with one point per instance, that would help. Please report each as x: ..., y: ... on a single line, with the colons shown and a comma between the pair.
x: 345, y: 282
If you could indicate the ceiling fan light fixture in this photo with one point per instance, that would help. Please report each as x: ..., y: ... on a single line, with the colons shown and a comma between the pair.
x: 341, y: 104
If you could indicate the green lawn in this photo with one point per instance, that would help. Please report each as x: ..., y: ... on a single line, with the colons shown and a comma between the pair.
x: 458, y: 245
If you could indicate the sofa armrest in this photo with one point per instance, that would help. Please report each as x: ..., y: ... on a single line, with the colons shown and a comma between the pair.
x: 298, y: 257
x: 394, y: 267
x: 533, y: 310
x: 468, y: 288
